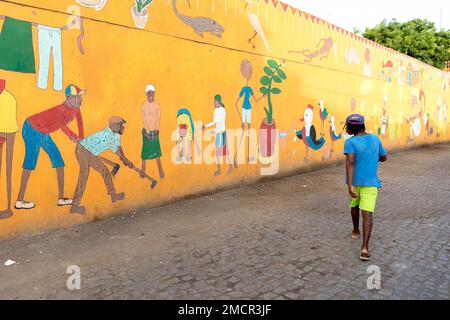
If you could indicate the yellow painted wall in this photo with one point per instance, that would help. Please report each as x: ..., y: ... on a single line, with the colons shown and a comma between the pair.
x: 188, y: 71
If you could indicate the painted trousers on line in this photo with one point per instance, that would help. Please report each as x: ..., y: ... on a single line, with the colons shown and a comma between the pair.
x: 50, y: 40
x: 87, y: 160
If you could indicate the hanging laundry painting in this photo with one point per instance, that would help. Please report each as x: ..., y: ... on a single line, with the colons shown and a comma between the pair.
x: 50, y: 42
x: 16, y: 46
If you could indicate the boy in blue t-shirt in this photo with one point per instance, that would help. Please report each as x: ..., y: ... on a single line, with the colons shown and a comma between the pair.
x: 363, y: 152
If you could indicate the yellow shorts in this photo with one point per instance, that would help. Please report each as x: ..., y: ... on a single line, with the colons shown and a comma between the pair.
x: 367, y: 199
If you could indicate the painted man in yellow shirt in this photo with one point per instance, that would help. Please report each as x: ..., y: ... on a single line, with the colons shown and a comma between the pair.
x: 8, y: 129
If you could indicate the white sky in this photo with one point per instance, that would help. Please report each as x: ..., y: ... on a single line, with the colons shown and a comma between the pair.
x: 348, y: 14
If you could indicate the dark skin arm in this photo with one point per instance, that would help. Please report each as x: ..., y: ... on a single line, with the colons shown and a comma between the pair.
x: 383, y: 159
x: 124, y: 159
x: 350, y: 168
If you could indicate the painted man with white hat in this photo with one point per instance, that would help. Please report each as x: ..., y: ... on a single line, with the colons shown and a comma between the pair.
x: 151, y: 115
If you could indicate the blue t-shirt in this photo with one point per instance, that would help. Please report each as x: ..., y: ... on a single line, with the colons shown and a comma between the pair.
x: 367, y: 149
x: 247, y: 92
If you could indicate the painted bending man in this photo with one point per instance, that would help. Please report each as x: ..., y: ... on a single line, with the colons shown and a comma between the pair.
x: 36, y: 134
x: 88, y: 153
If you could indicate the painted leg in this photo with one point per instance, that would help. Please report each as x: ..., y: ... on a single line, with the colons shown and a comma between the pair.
x: 143, y: 168
x: 23, y: 184
x: 230, y: 169
x: 9, y: 158
x: 239, y: 148
x: 10, y: 138
x: 179, y: 152
x: 160, y: 168
x: 217, y: 173
x: 60, y: 176
x: 189, y: 154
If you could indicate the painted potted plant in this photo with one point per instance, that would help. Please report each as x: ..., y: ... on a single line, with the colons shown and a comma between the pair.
x: 97, y: 4
x: 140, y: 13
x: 267, y: 132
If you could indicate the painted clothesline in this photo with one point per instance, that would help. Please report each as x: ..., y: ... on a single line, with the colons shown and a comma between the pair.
x: 78, y: 20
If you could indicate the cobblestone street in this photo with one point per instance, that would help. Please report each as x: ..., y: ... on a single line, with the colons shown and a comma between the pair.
x: 284, y: 239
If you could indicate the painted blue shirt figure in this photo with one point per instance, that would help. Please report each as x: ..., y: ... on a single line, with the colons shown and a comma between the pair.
x: 368, y: 150
x: 101, y: 141
x: 247, y: 92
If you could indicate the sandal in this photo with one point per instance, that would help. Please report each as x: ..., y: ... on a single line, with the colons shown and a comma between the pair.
x: 365, y: 256
x: 355, y: 236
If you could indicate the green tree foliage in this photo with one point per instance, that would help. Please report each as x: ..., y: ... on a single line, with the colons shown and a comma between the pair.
x: 416, y: 38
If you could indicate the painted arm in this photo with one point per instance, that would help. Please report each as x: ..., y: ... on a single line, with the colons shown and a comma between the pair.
x: 124, y: 159
x: 350, y: 168
x: 321, y: 40
x: 258, y: 99
x: 80, y: 125
x: 237, y: 107
x: 145, y: 118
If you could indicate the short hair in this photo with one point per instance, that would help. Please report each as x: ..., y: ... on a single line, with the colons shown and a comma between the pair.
x: 354, y: 129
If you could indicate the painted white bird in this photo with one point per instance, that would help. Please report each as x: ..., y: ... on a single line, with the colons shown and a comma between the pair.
x: 256, y: 24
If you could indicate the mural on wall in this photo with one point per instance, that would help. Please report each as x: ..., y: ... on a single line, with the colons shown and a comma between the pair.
x: 333, y: 134
x: 139, y: 12
x: 441, y: 115
x: 16, y: 46
x: 367, y: 71
x: 343, y: 85
x: 246, y: 114
x: 96, y: 4
x: 385, y: 119
x: 323, y: 115
x: 36, y: 132
x: 185, y: 134
x: 200, y: 25
x: 415, y: 121
x: 88, y: 152
x: 323, y: 48
x: 386, y: 71
x: 267, y: 132
x: 256, y: 24
x: 220, y: 132
x: 151, y: 116
x: 8, y: 129
x: 352, y: 56
x: 308, y: 134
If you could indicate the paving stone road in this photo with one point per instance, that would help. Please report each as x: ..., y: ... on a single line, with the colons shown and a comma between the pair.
x: 285, y: 239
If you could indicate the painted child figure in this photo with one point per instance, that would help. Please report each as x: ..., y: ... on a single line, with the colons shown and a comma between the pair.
x: 363, y: 152
x: 220, y: 132
x: 246, y: 116
x: 184, y: 134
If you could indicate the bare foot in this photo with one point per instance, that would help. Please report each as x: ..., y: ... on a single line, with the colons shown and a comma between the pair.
x: 78, y: 210
x: 6, y: 214
x: 117, y: 197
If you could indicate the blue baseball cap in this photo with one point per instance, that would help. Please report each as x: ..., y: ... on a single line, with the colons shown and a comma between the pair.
x: 356, y: 119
